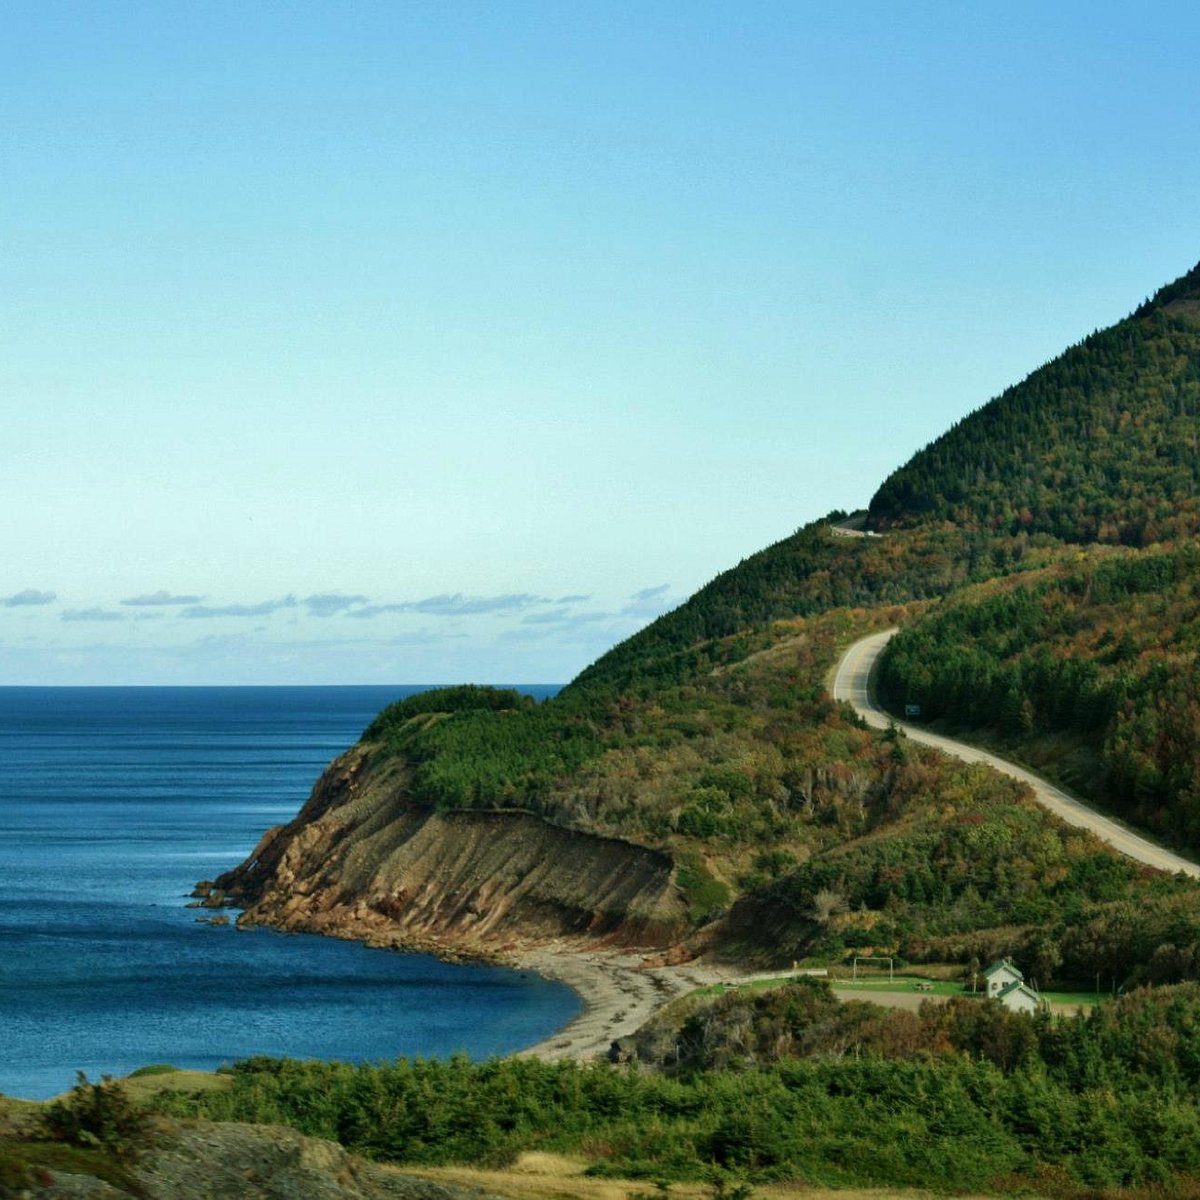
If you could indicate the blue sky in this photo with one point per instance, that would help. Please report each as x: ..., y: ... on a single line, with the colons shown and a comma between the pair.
x: 417, y: 342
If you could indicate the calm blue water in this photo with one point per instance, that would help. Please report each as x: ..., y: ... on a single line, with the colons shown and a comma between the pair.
x: 113, y: 803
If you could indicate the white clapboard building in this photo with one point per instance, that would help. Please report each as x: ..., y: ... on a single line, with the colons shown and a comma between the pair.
x: 1006, y: 984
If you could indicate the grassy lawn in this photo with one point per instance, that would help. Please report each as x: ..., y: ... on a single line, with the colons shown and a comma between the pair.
x: 147, y: 1082
x: 902, y: 982
x: 1082, y: 999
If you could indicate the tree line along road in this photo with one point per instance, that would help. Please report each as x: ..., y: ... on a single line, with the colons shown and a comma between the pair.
x: 852, y: 683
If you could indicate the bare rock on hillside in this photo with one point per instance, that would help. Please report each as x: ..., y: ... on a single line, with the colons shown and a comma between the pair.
x: 247, y: 1162
x: 362, y: 861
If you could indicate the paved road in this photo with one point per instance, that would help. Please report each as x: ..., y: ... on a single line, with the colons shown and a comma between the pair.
x: 852, y: 527
x: 851, y: 682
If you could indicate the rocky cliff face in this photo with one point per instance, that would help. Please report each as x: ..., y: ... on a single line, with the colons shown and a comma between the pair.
x: 360, y: 860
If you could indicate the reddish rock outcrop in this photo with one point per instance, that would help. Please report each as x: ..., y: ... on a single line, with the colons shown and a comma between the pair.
x: 360, y: 860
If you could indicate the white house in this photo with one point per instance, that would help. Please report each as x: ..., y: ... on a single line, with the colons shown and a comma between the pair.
x: 1019, y: 997
x: 1005, y: 983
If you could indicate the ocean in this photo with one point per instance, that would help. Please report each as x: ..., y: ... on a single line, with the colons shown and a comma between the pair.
x: 113, y: 803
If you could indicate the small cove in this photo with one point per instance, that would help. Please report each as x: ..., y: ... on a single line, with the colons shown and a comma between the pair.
x: 113, y: 803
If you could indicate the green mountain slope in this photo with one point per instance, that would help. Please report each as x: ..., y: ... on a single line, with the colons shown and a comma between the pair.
x: 808, y: 573
x: 1088, y: 670
x: 708, y: 741
x: 1099, y: 445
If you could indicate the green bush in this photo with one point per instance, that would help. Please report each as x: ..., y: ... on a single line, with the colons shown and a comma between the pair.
x: 705, y: 895
x: 97, y: 1115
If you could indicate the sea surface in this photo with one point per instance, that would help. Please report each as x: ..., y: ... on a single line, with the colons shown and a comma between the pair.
x: 113, y: 803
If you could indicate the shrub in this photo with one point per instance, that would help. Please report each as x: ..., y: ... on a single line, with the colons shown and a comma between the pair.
x: 98, y: 1115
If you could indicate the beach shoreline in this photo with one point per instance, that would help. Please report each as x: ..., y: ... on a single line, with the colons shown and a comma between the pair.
x: 619, y: 991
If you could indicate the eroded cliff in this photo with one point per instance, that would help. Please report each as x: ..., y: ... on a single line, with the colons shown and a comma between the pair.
x: 361, y: 860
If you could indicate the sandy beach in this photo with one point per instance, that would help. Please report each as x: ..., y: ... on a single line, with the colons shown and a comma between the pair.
x: 619, y: 995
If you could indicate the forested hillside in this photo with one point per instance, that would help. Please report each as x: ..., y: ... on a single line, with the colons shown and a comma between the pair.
x: 808, y: 573
x: 1040, y: 559
x: 1100, y: 445
x: 1105, y: 654
x: 794, y: 832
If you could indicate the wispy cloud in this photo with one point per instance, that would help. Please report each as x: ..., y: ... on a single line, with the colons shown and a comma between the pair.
x: 564, y: 616
x: 554, y: 616
x: 152, y: 599
x: 262, y: 609
x: 573, y: 599
x: 596, y: 630
x: 328, y: 604
x: 455, y: 605
x: 376, y: 610
x: 28, y: 597
x: 651, y: 593
x: 459, y: 605
x: 92, y: 614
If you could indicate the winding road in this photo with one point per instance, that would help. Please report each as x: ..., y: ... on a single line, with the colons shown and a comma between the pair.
x: 851, y: 683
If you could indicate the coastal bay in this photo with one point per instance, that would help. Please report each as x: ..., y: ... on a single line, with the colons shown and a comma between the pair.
x: 113, y: 802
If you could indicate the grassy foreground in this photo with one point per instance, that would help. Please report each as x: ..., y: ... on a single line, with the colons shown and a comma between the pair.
x: 778, y: 1089
x: 103, y: 1131
x: 540, y: 1176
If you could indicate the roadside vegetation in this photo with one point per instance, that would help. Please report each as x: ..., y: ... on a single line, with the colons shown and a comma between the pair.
x: 1103, y: 655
